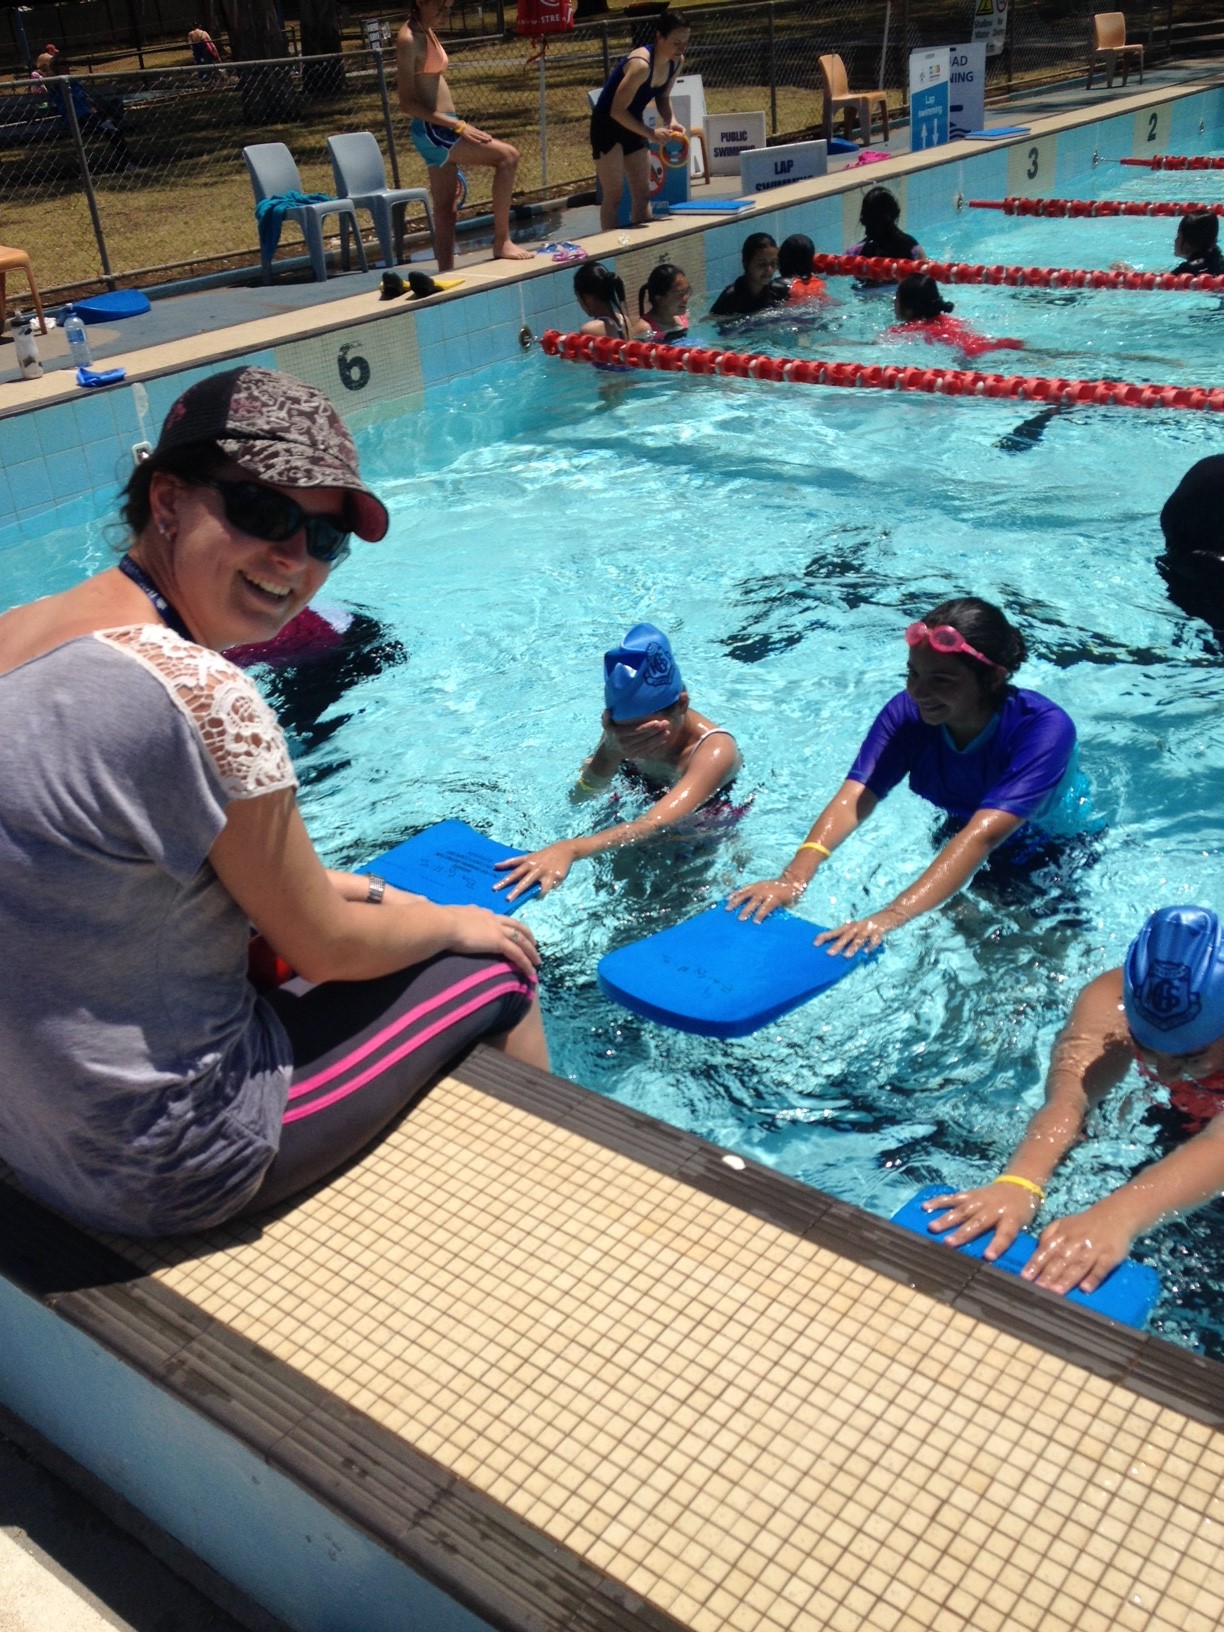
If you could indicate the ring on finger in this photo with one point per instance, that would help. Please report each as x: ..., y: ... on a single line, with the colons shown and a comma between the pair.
x: 514, y: 935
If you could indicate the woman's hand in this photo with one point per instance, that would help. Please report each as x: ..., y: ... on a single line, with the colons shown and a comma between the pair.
x: 759, y: 900
x: 473, y: 133
x: 546, y: 867
x: 1080, y: 1250
x: 860, y: 934
x: 476, y: 929
x: 1003, y: 1208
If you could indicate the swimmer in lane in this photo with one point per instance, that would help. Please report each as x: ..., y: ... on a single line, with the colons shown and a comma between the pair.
x: 663, y: 302
x: 601, y: 294
x: 923, y: 313
x: 1162, y: 1011
x: 880, y: 219
x: 759, y: 287
x: 996, y: 758
x: 648, y: 729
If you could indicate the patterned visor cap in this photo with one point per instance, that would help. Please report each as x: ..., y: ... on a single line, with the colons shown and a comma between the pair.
x: 279, y: 429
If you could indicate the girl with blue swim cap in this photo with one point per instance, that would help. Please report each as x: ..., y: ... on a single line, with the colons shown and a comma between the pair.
x: 1163, y: 1012
x: 649, y: 727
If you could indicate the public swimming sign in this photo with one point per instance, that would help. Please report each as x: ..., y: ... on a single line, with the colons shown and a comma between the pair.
x: 930, y: 75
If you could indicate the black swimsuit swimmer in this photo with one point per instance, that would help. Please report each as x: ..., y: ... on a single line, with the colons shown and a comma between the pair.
x: 607, y: 132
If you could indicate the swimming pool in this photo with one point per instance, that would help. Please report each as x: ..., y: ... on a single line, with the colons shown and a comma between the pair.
x: 784, y: 537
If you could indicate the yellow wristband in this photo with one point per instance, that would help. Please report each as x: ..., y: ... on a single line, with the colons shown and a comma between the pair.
x: 1025, y: 1184
x: 459, y: 126
x: 591, y: 787
x: 812, y: 845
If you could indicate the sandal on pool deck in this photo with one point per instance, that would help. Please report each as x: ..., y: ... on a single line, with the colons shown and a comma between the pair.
x: 564, y: 254
x: 422, y: 285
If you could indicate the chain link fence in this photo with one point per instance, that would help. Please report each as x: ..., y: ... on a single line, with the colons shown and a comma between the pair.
x: 138, y: 177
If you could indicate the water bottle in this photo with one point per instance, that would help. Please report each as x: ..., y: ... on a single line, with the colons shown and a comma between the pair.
x: 78, y: 340
x: 26, y: 347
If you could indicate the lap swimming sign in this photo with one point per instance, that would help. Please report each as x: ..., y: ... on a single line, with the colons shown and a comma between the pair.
x: 721, y: 977
x: 1126, y: 1294
x: 450, y: 864
x: 764, y: 168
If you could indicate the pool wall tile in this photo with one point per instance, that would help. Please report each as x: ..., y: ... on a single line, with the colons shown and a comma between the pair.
x: 27, y: 479
x: 67, y: 474
x: 21, y: 440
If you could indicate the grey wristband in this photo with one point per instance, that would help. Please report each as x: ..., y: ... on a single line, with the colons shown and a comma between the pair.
x: 376, y: 888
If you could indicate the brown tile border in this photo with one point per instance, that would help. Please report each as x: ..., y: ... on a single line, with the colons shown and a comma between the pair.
x: 482, y: 1555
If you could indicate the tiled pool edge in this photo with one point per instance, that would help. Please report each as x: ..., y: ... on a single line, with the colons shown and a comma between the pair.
x: 431, y: 1522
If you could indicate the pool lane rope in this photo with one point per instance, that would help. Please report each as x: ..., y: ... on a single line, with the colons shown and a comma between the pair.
x: 1175, y: 161
x: 1040, y: 277
x: 951, y: 382
x: 1081, y: 208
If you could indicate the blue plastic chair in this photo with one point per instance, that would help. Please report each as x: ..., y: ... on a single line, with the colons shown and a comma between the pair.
x: 357, y: 164
x: 273, y: 172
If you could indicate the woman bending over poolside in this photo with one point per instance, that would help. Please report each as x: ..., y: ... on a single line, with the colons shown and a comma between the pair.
x: 1163, y: 1012
x: 620, y: 137
x: 650, y: 730
x: 443, y: 139
x: 148, y: 820
x: 997, y: 759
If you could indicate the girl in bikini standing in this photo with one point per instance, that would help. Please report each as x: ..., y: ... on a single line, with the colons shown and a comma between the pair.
x: 443, y: 139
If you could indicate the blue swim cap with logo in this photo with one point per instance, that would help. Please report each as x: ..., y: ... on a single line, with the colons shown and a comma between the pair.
x: 640, y: 675
x: 1173, y: 981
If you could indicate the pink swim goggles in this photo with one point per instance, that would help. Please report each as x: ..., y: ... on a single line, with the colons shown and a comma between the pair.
x: 944, y: 639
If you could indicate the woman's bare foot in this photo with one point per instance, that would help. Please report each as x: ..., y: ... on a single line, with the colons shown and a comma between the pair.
x: 510, y: 251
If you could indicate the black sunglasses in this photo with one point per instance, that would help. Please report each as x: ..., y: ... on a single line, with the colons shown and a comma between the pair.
x: 264, y: 513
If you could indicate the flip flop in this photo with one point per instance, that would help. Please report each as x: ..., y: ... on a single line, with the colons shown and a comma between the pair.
x: 422, y: 285
x: 565, y: 254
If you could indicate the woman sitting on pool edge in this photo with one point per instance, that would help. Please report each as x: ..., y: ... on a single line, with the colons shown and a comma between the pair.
x: 1163, y: 1011
x: 992, y: 756
x: 648, y: 727
x: 148, y: 818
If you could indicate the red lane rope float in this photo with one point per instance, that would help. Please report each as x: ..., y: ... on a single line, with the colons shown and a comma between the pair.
x: 1078, y: 208
x: 1040, y: 277
x: 951, y: 382
x: 1175, y: 161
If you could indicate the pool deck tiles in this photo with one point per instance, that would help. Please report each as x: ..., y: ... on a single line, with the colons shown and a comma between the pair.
x: 682, y: 1381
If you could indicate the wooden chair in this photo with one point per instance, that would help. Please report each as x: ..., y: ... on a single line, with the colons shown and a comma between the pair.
x: 839, y: 97
x: 16, y: 260
x: 1109, y: 41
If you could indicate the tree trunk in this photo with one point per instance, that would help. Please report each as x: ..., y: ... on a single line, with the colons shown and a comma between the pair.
x: 321, y: 38
x: 268, y: 95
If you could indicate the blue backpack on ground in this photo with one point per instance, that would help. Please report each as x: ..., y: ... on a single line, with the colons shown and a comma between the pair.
x: 452, y: 865
x: 719, y: 976
x: 1126, y: 1294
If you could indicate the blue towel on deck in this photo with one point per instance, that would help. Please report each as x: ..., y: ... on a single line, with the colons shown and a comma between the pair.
x: 270, y: 214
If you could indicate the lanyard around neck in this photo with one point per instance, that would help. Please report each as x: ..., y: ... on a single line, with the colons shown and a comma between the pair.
x: 169, y: 615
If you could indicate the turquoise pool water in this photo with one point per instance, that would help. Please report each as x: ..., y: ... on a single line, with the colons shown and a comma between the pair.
x: 784, y: 536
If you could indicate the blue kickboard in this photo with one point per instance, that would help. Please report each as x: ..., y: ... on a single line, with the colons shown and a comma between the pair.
x: 120, y: 303
x: 1126, y: 1294
x: 721, y: 977
x: 993, y: 135
x: 713, y: 206
x: 452, y: 865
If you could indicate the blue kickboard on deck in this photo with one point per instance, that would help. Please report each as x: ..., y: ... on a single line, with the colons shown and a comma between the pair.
x: 713, y: 206
x: 111, y: 308
x: 993, y: 135
x: 452, y: 865
x: 1126, y: 1294
x: 722, y: 977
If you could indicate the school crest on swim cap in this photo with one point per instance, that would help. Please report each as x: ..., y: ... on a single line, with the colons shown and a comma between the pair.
x: 1173, y: 981
x: 640, y: 675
